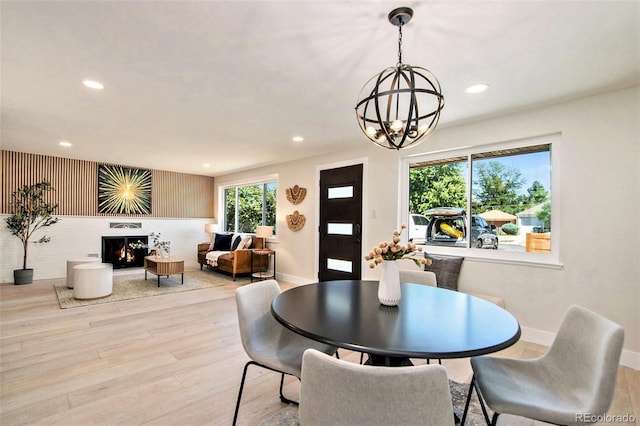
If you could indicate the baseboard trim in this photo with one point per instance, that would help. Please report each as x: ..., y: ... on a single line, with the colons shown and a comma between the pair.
x: 292, y: 279
x: 630, y: 359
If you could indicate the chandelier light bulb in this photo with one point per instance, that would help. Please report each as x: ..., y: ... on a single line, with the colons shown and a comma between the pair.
x: 397, y: 125
x: 371, y: 131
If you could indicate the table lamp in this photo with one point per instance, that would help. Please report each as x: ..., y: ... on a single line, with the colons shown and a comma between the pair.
x: 264, y: 232
x: 210, y: 228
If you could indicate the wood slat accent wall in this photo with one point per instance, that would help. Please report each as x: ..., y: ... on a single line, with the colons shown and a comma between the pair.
x: 178, y: 195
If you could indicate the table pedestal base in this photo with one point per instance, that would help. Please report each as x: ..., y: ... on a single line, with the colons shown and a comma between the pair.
x: 388, y: 361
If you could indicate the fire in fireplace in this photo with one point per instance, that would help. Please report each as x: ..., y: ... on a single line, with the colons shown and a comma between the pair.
x: 124, y: 252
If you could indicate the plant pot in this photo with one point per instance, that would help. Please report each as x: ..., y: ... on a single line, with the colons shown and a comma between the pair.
x: 22, y: 276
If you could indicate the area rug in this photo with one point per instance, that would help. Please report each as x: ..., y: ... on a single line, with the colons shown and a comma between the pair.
x: 288, y: 416
x: 134, y: 286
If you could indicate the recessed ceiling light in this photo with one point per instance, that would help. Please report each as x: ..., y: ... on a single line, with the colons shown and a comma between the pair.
x: 206, y: 164
x: 64, y: 143
x: 93, y: 84
x: 477, y: 88
x: 297, y: 139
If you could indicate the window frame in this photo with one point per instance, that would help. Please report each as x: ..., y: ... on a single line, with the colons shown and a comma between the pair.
x: 263, y: 180
x: 550, y: 260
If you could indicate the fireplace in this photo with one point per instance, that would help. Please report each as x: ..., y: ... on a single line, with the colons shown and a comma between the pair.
x: 124, y: 252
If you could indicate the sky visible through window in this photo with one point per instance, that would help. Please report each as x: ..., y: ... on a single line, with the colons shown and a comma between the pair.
x: 534, y: 167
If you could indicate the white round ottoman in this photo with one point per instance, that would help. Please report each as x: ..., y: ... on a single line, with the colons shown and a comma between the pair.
x: 72, y: 263
x: 92, y: 280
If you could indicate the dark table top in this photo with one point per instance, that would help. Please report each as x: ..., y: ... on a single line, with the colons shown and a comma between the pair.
x: 429, y: 322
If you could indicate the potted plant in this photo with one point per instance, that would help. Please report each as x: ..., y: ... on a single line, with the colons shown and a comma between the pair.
x: 161, y: 247
x: 30, y: 212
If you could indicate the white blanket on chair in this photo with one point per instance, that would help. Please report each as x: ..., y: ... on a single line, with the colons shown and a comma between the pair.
x: 212, y: 257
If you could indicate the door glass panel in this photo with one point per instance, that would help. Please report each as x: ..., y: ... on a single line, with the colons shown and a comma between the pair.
x: 340, y: 192
x: 340, y: 228
x: 340, y: 265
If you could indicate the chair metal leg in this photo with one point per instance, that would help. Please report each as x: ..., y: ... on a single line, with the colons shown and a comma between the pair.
x: 494, y: 421
x: 244, y: 375
x: 484, y: 409
x: 472, y: 386
x: 284, y: 398
x: 466, y: 405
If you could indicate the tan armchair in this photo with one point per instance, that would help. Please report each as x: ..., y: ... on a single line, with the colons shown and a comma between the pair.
x: 234, y: 262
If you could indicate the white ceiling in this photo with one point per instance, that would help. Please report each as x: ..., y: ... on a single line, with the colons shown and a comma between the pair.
x: 231, y: 82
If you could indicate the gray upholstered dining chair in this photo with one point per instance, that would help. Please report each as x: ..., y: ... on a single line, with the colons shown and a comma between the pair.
x: 337, y: 392
x: 418, y: 277
x: 267, y: 343
x: 574, y: 378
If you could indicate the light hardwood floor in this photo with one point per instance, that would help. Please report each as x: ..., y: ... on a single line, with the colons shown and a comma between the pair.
x: 166, y: 360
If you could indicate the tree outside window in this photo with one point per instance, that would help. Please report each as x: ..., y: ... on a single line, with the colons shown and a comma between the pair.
x: 250, y: 206
x: 437, y: 185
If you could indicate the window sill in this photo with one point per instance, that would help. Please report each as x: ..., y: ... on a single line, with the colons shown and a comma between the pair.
x: 537, y: 260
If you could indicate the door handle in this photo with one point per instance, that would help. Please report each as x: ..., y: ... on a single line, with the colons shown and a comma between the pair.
x: 356, y: 232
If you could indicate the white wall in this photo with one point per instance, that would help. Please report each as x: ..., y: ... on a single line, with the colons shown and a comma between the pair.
x: 599, y: 185
x: 75, y: 236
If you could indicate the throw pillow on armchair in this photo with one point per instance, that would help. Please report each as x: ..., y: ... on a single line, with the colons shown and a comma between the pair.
x: 447, y: 270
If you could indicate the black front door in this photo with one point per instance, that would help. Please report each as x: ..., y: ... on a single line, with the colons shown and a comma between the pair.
x: 340, y: 224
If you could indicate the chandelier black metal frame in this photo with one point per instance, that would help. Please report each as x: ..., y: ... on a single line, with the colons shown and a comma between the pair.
x: 403, y: 106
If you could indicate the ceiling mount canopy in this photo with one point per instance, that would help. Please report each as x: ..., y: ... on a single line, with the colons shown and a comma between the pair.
x: 400, y: 107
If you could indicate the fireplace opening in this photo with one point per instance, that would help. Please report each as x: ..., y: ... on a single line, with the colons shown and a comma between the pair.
x: 124, y: 252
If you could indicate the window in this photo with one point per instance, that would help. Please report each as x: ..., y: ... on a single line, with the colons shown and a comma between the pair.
x: 496, y: 198
x: 248, y: 206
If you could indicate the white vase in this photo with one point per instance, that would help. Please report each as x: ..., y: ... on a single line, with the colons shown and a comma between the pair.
x: 389, y: 285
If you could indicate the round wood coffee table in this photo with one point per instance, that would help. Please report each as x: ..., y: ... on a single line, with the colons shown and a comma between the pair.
x: 164, y: 266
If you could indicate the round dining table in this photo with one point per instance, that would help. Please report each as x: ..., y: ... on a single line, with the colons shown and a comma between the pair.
x: 428, y: 323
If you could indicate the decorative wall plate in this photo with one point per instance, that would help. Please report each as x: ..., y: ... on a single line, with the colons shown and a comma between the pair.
x: 296, y: 194
x: 296, y: 221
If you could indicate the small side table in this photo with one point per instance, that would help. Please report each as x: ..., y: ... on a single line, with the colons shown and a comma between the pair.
x: 162, y: 266
x: 268, y: 273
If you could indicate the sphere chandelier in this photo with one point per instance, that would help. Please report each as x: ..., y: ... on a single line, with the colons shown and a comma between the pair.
x: 400, y: 107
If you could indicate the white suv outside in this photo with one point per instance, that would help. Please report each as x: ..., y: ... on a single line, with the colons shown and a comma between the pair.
x: 417, y: 228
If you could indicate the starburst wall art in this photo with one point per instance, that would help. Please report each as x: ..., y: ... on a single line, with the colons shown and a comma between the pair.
x: 124, y: 190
